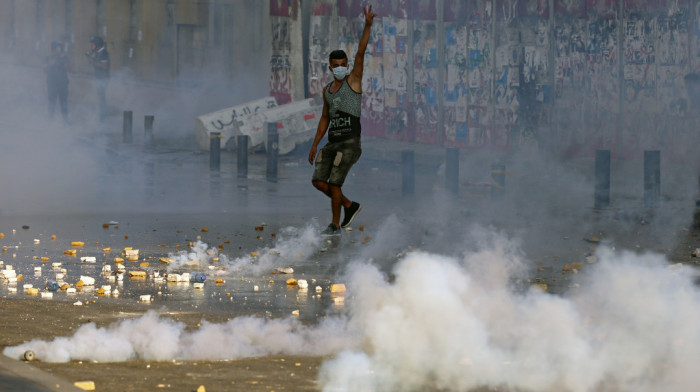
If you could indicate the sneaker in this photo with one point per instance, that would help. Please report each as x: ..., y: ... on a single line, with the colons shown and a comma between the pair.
x: 350, y: 214
x: 331, y: 230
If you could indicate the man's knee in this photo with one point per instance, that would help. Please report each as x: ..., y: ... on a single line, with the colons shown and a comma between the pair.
x: 320, y: 185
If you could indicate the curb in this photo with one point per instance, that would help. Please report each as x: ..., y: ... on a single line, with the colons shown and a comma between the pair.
x: 43, y: 380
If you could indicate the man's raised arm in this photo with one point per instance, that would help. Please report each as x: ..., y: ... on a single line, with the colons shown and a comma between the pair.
x: 358, y: 66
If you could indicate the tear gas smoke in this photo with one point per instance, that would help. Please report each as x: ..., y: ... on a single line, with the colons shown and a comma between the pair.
x: 292, y: 246
x: 629, y: 323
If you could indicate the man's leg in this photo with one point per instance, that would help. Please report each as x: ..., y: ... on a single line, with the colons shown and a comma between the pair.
x: 326, y: 189
x: 336, y: 201
x: 63, y: 101
x: 52, y: 99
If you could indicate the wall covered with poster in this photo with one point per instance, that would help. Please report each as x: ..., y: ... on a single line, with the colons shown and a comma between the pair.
x: 569, y: 76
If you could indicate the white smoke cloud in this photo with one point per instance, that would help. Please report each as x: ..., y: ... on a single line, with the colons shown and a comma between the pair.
x: 151, y: 337
x: 455, y: 323
x: 446, y: 325
x: 292, y: 245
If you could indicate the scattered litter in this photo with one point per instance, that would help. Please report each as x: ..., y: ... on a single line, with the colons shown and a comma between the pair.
x: 338, y: 288
x: 37, y: 241
x: 56, y: 264
x: 696, y: 253
x: 88, y: 259
x: 259, y: 228
x: 201, y: 389
x: 77, y: 303
x: 539, y: 286
x: 27, y: 286
x: 205, y: 229
x: 256, y: 288
x: 303, y: 284
x: 106, y: 269
x: 219, y: 281
x: 71, y: 290
x: 87, y: 280
x: 285, y: 270
x: 85, y: 385
x: 254, y: 254
x: 77, y: 244
x: 137, y: 274
x: 29, y: 355
x: 198, y: 286
x: 292, y: 282
x: 295, y: 313
x: 33, y: 291
x: 166, y: 260
x: 145, y: 298
x: 319, y: 289
x: 46, y: 294
x: 70, y: 252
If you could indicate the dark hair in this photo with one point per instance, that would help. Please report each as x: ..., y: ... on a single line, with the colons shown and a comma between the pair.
x: 337, y: 55
x: 98, y: 41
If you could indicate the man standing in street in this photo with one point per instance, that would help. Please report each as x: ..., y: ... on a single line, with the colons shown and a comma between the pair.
x: 56, y: 67
x: 342, y: 109
x: 99, y: 58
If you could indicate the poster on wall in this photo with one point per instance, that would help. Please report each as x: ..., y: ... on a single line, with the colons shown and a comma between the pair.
x: 397, y: 106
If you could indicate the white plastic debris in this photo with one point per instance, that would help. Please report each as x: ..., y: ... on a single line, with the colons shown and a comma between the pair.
x: 174, y: 278
x: 37, y: 241
x: 27, y: 286
x: 12, y: 289
x: 198, y: 285
x: 60, y: 276
x: 303, y: 284
x: 145, y: 298
x: 77, y: 303
x: 88, y: 259
x: 37, y: 270
x: 319, y: 289
x: 56, y: 264
x: 87, y: 280
x: 285, y: 270
x: 131, y: 253
x: 256, y: 288
x: 106, y: 269
x: 71, y: 290
x: 46, y: 294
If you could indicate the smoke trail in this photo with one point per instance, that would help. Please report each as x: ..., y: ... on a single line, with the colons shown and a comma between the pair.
x: 153, y: 338
x: 292, y: 246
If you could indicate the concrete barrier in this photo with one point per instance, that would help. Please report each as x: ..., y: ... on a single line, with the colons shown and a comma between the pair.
x: 228, y: 121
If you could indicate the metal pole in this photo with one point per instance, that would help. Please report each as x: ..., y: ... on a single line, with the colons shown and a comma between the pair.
x: 242, y: 155
x: 148, y: 132
x: 602, y: 179
x: 128, y: 126
x: 498, y: 181
x: 652, y: 178
x: 452, y: 170
x: 214, y: 151
x: 272, y: 151
x: 408, y: 177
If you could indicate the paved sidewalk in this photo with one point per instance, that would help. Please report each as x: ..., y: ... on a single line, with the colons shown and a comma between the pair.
x: 17, y: 376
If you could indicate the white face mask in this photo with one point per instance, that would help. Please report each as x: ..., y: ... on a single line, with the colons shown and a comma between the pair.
x: 340, y: 72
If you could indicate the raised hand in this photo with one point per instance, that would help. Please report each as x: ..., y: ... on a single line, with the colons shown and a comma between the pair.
x: 369, y: 15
